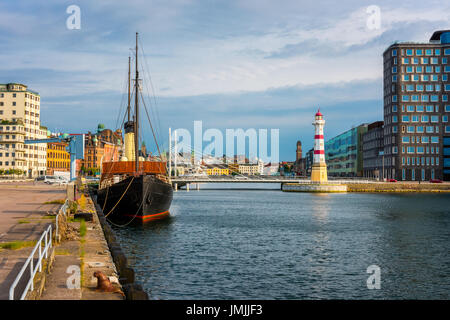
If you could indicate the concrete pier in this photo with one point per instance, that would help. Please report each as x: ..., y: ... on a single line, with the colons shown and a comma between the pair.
x: 314, y: 187
x: 23, y: 217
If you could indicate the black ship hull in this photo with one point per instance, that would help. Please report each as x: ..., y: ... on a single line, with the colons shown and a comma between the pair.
x: 143, y: 198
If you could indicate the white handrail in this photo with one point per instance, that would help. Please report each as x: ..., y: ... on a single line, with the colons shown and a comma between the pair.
x: 47, y: 237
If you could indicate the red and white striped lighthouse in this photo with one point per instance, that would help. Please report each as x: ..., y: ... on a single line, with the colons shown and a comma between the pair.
x: 319, y: 167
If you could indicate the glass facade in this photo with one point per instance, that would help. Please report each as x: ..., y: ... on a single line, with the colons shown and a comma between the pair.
x: 343, y: 153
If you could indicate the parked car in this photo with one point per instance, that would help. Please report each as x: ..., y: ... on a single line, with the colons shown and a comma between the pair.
x: 392, y: 180
x: 436, y: 181
x: 56, y: 180
x: 50, y: 179
x: 62, y: 180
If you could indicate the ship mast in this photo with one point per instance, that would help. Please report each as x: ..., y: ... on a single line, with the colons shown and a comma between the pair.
x: 129, y: 88
x: 136, y: 111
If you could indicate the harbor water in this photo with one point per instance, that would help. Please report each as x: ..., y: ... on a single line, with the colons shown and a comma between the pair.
x: 226, y: 242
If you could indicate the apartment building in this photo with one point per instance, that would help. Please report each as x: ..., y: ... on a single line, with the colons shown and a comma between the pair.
x: 416, y: 109
x: 19, y: 121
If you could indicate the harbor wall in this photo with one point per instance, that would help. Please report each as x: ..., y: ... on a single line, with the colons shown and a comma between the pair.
x: 132, y: 289
x: 369, y: 187
x: 312, y: 187
x: 398, y: 187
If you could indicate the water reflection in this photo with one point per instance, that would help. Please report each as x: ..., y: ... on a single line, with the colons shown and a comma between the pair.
x: 240, y: 244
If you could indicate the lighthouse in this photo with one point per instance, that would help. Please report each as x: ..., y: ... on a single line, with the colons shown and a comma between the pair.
x: 319, y: 167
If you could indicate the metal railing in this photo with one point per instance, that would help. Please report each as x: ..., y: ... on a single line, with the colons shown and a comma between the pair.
x: 42, y: 247
x: 46, y: 239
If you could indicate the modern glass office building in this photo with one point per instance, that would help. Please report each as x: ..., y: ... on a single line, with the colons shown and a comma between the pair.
x: 343, y: 153
x: 416, y: 108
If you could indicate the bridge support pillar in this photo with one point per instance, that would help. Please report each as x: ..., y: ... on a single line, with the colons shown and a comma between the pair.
x: 187, y: 186
x: 175, y: 186
x: 198, y: 186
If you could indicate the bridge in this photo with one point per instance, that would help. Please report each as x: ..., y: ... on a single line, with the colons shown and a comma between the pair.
x: 180, y: 181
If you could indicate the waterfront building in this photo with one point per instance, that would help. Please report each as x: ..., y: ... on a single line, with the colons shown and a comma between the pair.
x: 417, y: 108
x: 103, y: 146
x: 373, y: 148
x: 319, y: 167
x: 252, y: 168
x: 344, y: 153
x: 299, y: 164
x: 19, y: 121
x: 58, y: 159
x: 212, y: 170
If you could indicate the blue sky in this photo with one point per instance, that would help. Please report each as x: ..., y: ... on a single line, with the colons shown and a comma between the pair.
x: 232, y: 64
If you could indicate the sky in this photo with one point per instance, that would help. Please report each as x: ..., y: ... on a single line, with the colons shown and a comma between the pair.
x: 260, y: 64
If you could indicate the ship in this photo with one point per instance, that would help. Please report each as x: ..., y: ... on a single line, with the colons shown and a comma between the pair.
x: 135, y: 189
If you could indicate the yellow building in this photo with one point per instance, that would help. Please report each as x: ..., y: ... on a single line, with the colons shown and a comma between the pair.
x: 58, y: 159
x: 20, y: 120
x: 217, y: 171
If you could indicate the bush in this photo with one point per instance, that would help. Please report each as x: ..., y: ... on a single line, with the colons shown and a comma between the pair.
x: 73, y: 207
x: 82, y: 202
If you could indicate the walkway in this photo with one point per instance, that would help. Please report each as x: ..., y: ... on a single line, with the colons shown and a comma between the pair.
x: 23, y: 217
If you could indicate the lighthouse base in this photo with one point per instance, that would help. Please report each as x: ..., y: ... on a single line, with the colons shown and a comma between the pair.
x: 319, y: 173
